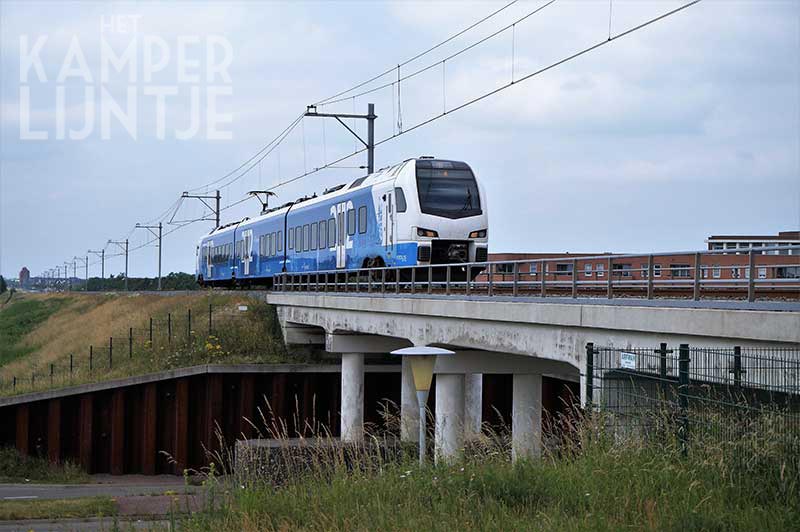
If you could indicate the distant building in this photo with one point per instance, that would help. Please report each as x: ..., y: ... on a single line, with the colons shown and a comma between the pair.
x: 24, y: 277
x: 738, y: 242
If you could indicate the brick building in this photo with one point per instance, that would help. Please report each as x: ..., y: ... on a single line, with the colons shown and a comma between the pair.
x: 733, y: 265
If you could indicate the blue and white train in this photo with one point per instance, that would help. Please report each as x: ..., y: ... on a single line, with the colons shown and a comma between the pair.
x: 419, y: 212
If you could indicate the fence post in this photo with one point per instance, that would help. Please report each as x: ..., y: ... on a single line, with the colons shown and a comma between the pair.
x: 70, y: 365
x: 91, y: 358
x: 209, y: 319
x: 650, y: 282
x: 33, y: 380
x: 430, y: 279
x: 130, y: 342
x: 52, y: 367
x: 610, y: 287
x: 697, y: 275
x: 574, y: 278
x: 751, y: 282
x: 151, y: 331
x: 662, y: 355
x: 543, y: 275
x: 14, y: 383
x: 589, y: 375
x: 683, y: 395
x: 516, y: 280
x: 189, y: 326
x: 169, y: 327
x: 737, y: 367
x: 110, y: 352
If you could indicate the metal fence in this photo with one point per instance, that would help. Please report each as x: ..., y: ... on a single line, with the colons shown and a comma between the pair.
x: 757, y: 273
x: 715, y: 395
x: 158, y: 343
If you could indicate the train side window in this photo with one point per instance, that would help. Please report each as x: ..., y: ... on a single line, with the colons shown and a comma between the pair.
x: 273, y: 245
x: 298, y: 239
x: 351, y: 222
x: 331, y: 232
x: 323, y: 234
x: 266, y: 245
x: 280, y: 241
x: 314, y: 230
x: 340, y: 227
x: 362, y: 219
x: 306, y: 237
x: 399, y: 199
x: 291, y: 238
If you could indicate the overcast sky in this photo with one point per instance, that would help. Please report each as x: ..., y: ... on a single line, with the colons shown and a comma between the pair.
x: 687, y: 128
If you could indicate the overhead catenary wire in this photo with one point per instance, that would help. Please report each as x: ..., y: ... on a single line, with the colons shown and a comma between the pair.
x: 419, y: 55
x: 498, y: 89
x: 424, y: 69
x: 279, y: 138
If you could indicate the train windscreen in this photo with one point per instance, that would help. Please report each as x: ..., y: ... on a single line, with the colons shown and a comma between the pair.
x: 448, y: 192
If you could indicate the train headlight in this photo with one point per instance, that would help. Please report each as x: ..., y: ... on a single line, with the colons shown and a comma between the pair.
x: 427, y: 232
x: 478, y: 234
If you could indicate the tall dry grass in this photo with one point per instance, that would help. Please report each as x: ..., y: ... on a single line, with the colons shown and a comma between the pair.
x: 591, y: 476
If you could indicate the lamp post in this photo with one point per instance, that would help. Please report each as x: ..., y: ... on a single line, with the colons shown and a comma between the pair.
x: 422, y: 360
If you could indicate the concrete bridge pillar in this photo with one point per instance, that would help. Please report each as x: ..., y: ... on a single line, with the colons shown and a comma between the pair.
x: 409, y: 410
x: 526, y: 417
x: 352, y: 428
x: 473, y: 405
x: 449, y: 440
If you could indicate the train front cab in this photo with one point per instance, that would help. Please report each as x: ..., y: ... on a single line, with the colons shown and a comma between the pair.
x: 450, y: 223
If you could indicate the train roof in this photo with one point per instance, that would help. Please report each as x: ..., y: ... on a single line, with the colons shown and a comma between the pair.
x: 388, y: 172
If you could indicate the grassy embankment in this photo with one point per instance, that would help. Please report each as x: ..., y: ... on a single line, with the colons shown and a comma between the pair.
x: 594, y: 481
x: 39, y: 330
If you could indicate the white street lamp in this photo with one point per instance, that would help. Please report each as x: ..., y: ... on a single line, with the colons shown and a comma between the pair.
x: 422, y: 360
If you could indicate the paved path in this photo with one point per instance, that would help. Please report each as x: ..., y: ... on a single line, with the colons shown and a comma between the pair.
x: 10, y: 492
x: 69, y: 525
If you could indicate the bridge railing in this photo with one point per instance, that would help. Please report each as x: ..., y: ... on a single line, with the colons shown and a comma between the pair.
x: 771, y: 272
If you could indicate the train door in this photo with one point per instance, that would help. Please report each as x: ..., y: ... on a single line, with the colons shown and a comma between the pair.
x: 209, y: 262
x: 247, y: 248
x: 339, y: 213
x: 388, y: 224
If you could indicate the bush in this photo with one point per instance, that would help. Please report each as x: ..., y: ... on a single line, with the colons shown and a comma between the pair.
x: 3, y: 286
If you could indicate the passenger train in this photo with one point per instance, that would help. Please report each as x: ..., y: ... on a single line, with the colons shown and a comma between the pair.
x: 419, y: 212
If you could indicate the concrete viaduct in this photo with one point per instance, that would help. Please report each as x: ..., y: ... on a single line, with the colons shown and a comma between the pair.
x: 524, y: 337
x: 508, y: 349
